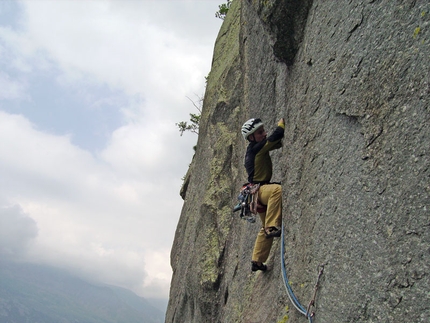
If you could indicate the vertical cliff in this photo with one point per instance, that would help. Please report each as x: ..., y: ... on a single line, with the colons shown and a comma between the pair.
x: 351, y: 79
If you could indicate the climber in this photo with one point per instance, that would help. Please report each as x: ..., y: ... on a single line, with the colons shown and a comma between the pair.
x: 258, y: 165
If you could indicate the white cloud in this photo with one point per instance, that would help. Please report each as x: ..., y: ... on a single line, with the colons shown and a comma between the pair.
x: 109, y: 214
x: 99, y: 43
x: 17, y: 230
x: 103, y: 218
x: 10, y: 89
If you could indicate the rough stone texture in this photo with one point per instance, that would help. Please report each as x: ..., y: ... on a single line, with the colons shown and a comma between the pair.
x: 352, y: 80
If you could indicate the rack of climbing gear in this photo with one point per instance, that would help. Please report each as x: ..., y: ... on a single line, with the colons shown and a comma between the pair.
x: 299, y: 307
x: 248, y: 202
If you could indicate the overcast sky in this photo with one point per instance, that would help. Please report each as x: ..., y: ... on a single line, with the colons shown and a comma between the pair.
x: 91, y: 161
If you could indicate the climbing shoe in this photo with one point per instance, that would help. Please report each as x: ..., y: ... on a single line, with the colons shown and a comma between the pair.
x: 272, y: 232
x: 255, y: 266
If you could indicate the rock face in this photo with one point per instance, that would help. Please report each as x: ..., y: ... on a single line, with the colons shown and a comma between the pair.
x: 351, y: 79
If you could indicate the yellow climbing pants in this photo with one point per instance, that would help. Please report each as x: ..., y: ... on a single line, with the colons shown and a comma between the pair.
x: 270, y: 195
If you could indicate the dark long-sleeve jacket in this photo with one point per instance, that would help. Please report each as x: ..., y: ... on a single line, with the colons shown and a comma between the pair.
x: 258, y: 163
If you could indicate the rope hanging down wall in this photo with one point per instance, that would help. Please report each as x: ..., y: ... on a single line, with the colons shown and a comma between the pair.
x: 290, y: 292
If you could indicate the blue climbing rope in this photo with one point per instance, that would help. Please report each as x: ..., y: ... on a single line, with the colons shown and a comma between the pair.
x: 290, y: 293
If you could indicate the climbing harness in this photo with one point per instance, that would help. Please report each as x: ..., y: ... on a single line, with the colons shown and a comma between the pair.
x: 248, y: 202
x: 290, y: 292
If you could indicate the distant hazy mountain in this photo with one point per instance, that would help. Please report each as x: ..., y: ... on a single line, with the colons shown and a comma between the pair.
x: 40, y: 294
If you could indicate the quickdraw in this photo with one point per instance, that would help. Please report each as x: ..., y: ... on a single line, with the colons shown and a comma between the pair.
x: 312, y: 301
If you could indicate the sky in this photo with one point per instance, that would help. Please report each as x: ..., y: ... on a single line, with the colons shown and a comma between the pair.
x: 91, y: 159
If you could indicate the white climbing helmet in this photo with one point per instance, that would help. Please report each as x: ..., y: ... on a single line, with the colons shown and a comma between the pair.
x: 250, y: 126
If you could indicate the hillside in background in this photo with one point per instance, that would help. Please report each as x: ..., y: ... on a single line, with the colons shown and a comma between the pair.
x: 31, y: 293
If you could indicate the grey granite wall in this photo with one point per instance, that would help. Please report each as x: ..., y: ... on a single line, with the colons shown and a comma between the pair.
x: 352, y: 80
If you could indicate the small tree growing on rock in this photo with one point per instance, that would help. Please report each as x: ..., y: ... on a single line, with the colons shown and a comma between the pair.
x: 223, y: 9
x: 193, y: 126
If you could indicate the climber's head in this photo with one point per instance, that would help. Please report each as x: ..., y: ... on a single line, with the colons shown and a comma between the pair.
x: 253, y: 130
